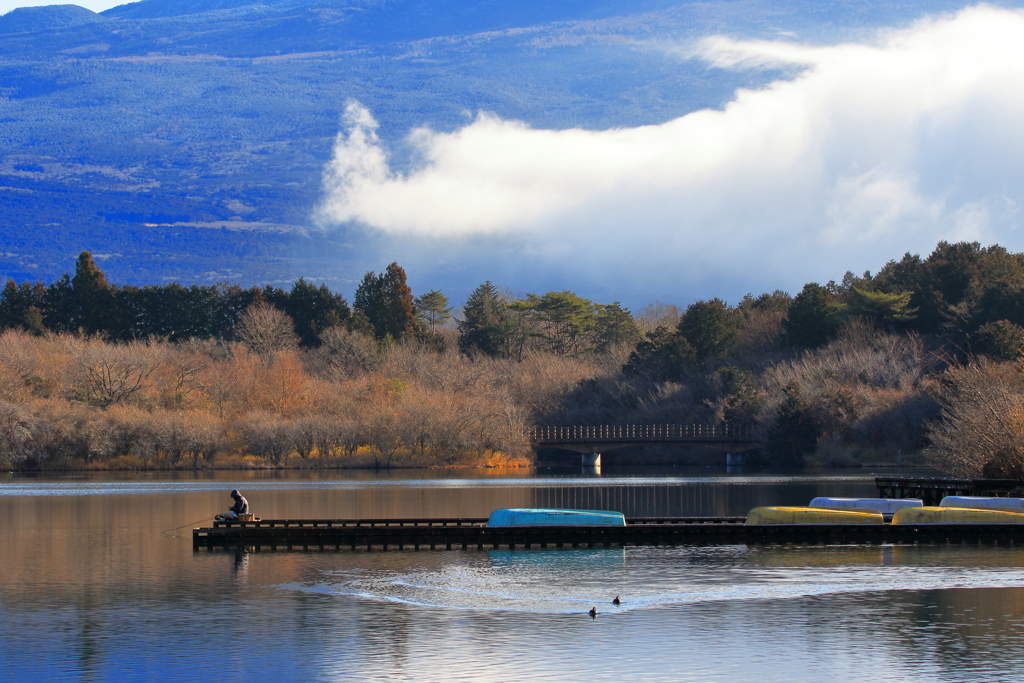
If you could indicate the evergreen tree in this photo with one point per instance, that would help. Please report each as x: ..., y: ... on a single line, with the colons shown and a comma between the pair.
x: 387, y: 302
x: 400, y: 314
x: 314, y: 309
x: 59, y: 310
x: 92, y: 295
x: 775, y: 301
x: 563, y: 320
x: 796, y: 430
x: 369, y: 299
x: 615, y: 326
x: 885, y: 310
x: 742, y: 402
x: 813, y: 317
x: 432, y: 309
x: 710, y: 328
x: 1001, y: 340
x: 485, y: 322
x: 664, y: 356
x: 21, y: 306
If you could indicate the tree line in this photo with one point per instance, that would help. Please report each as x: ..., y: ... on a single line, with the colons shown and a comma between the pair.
x: 868, y: 369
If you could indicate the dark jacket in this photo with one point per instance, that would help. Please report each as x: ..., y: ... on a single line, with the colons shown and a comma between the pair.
x: 241, y: 506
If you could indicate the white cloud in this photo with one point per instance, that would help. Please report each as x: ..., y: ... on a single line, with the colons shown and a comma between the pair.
x: 870, y: 150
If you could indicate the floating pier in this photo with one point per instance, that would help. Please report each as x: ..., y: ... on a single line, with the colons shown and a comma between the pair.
x: 471, y: 533
x: 931, y: 490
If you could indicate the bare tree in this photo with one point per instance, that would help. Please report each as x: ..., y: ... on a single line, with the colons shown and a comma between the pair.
x: 266, y: 330
x: 204, y: 437
x: 15, y: 432
x: 106, y: 374
x: 658, y: 314
x: 19, y: 361
x: 266, y: 435
x: 981, y: 431
x: 178, y: 378
x: 344, y: 353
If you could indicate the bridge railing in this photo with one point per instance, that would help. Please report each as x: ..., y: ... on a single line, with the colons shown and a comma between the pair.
x: 640, y: 432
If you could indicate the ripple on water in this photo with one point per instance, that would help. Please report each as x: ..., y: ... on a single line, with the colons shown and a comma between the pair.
x: 565, y: 581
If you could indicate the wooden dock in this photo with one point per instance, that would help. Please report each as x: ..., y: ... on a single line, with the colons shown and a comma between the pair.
x: 472, y: 533
x: 931, y: 490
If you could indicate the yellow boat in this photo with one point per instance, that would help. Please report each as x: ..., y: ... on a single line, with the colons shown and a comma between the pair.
x: 951, y: 515
x: 797, y: 515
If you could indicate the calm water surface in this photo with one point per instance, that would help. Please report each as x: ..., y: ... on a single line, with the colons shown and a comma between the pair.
x: 98, y: 582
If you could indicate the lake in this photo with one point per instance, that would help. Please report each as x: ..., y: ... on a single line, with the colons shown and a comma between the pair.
x: 98, y: 582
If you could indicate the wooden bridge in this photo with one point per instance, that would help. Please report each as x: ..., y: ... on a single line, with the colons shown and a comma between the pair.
x: 591, y: 441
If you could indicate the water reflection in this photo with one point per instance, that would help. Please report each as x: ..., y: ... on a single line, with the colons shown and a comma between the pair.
x: 98, y: 582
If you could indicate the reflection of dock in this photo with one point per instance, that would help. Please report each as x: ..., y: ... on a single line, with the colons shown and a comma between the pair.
x: 471, y: 533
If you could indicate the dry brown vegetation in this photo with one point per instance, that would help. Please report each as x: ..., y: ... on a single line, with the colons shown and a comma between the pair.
x: 70, y: 401
x: 981, y: 432
x: 870, y: 392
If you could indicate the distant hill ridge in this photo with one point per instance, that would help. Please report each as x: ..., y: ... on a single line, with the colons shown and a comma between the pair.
x: 152, y: 9
x: 51, y: 17
x: 249, y: 28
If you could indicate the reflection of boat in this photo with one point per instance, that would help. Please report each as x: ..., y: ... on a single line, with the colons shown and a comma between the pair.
x: 952, y: 515
x: 983, y: 502
x: 828, y: 556
x: 798, y: 515
x: 886, y: 506
x: 554, y: 517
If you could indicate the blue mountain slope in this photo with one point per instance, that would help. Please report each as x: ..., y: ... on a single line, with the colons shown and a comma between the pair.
x: 174, y: 132
x: 377, y: 20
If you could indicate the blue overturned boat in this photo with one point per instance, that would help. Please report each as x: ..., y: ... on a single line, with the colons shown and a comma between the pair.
x: 555, y: 517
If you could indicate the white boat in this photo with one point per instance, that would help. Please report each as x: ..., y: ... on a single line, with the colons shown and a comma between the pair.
x: 886, y: 506
x: 555, y: 517
x: 982, y: 502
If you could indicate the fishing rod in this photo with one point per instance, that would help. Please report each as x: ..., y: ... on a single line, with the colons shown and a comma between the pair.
x: 191, y: 524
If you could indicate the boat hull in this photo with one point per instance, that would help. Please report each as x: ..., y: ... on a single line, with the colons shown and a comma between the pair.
x: 554, y: 517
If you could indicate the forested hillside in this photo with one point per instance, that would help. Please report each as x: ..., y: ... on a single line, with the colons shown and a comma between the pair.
x: 918, y: 362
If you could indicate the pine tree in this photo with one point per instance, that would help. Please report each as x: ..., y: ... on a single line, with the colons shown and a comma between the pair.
x: 665, y: 356
x: 563, y: 320
x: 59, y: 310
x: 710, y: 327
x: 813, y: 317
x: 796, y: 430
x: 484, y: 324
x: 615, y: 326
x: 432, y: 309
x: 92, y: 295
x: 387, y: 302
x: 21, y: 305
x: 883, y: 308
x: 314, y: 309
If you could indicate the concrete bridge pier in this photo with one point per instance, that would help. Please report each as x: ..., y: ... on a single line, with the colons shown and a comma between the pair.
x: 590, y: 459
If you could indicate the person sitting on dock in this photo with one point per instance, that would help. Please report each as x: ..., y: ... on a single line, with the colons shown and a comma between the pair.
x: 241, y: 507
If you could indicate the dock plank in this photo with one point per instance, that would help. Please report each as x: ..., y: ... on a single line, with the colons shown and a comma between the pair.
x: 472, y: 533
